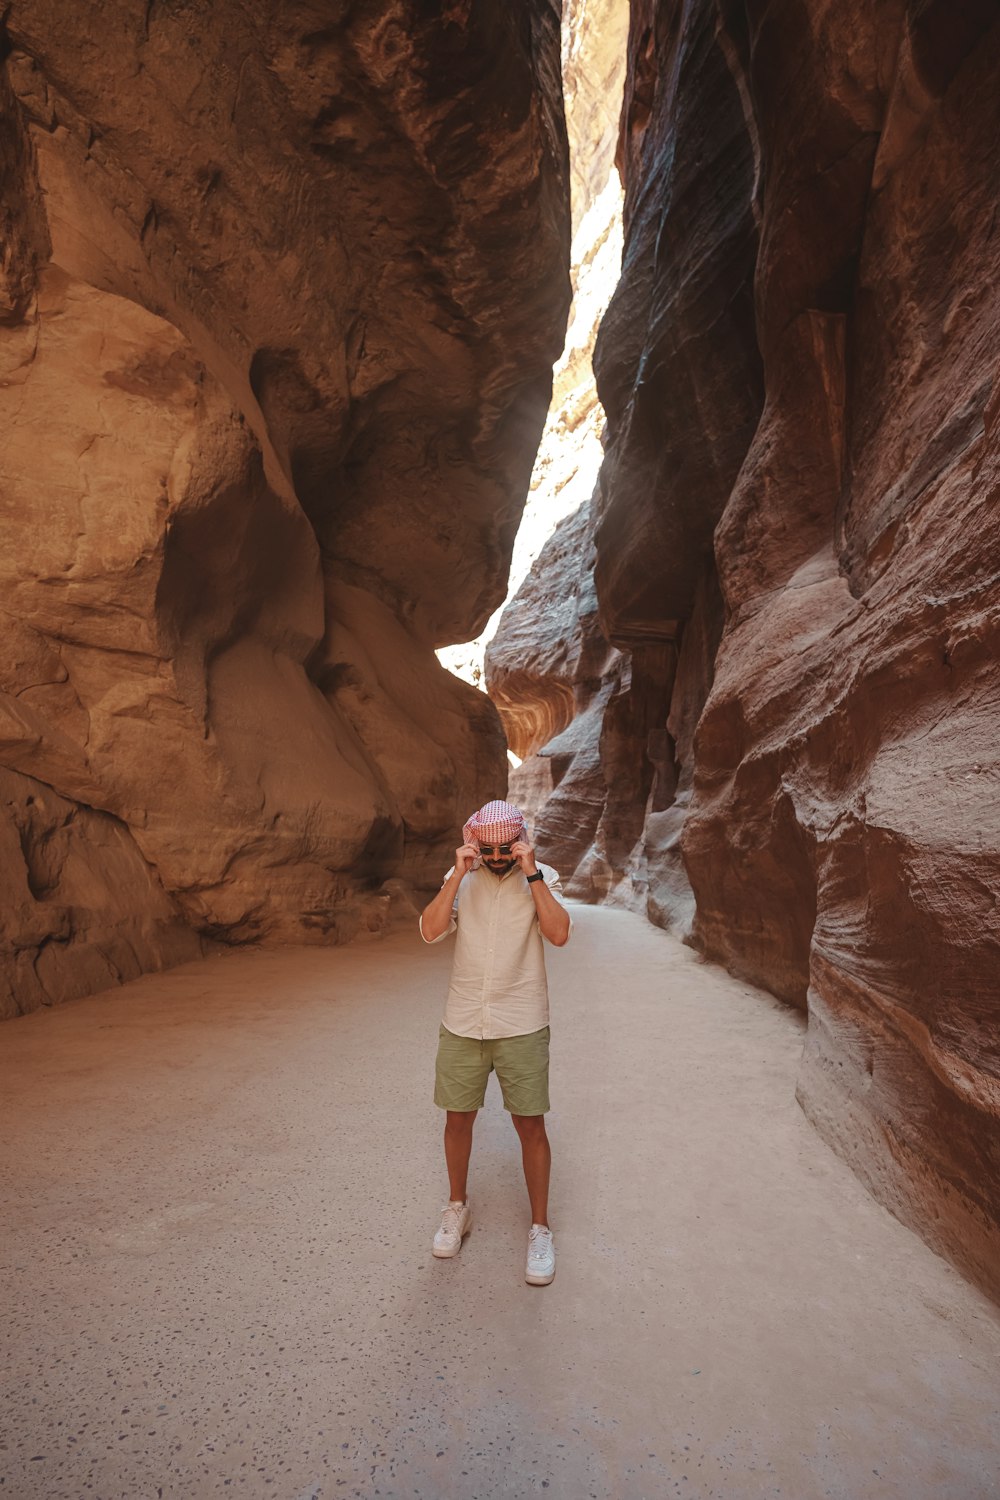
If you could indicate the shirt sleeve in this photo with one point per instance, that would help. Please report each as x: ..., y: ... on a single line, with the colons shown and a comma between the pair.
x: 555, y: 886
x: 452, y: 925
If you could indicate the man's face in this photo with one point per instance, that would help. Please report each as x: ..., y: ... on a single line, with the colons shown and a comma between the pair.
x: 497, y: 857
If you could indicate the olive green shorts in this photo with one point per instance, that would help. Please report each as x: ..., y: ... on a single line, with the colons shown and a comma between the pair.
x: 464, y: 1064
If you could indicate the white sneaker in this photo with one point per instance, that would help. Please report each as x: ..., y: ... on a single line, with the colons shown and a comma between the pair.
x: 541, y: 1266
x: 456, y: 1221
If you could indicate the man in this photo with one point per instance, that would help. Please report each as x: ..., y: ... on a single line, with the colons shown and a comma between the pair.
x: 501, y: 903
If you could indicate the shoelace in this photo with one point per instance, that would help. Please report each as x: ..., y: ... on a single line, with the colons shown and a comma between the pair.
x: 451, y: 1218
x: 539, y: 1242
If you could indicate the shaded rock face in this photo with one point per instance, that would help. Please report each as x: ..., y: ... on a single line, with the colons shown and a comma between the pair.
x: 676, y: 356
x: 280, y: 293
x: 575, y: 708
x: 801, y: 494
x: 551, y: 672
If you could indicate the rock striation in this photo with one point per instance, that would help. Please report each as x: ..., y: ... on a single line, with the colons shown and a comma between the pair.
x: 280, y: 294
x: 800, y: 511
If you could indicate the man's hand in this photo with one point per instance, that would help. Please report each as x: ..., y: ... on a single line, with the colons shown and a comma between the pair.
x: 465, y: 858
x: 525, y: 856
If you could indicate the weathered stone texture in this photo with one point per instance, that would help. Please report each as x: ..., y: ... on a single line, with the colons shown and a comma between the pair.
x: 594, y: 45
x: 550, y: 670
x: 802, y: 492
x: 677, y: 365
x: 846, y: 758
x: 81, y: 909
x: 280, y: 292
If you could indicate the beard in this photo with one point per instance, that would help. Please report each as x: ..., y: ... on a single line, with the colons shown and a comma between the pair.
x: 499, y: 866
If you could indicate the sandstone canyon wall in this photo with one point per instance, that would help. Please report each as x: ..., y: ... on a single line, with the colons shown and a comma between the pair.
x: 281, y: 287
x: 775, y: 687
x: 594, y: 37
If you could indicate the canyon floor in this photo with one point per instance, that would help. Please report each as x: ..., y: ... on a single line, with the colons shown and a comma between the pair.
x: 221, y: 1185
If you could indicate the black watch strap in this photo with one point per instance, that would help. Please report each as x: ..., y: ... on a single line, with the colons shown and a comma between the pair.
x: 537, y: 876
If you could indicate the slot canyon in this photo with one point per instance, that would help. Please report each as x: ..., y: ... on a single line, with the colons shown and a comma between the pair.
x: 303, y: 306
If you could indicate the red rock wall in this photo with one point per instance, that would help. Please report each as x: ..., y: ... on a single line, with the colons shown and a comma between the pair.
x: 802, y: 493
x: 280, y: 293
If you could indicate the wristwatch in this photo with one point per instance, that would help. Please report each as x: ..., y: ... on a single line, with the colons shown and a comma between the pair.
x: 537, y: 876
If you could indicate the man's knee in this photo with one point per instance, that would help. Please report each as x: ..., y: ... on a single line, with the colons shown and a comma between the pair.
x: 458, y: 1121
x: 529, y: 1127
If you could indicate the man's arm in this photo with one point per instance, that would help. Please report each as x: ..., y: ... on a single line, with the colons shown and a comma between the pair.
x: 435, y: 919
x: 553, y: 918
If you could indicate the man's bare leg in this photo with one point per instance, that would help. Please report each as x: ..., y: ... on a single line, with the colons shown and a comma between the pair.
x: 457, y: 1150
x: 536, y: 1155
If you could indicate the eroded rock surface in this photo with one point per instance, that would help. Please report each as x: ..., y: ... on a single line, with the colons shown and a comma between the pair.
x: 550, y: 672
x: 801, y: 500
x: 280, y: 295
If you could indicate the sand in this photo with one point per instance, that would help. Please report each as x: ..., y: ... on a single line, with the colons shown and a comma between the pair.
x: 220, y: 1189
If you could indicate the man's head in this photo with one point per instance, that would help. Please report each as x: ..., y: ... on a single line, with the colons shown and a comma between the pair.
x: 493, y: 830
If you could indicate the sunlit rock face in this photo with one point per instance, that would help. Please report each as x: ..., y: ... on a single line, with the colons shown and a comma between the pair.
x: 801, y: 498
x: 594, y: 35
x: 280, y: 294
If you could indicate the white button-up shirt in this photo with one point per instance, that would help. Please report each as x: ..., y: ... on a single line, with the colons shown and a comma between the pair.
x: 498, y: 983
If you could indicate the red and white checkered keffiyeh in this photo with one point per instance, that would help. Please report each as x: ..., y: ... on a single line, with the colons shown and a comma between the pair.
x: 496, y: 823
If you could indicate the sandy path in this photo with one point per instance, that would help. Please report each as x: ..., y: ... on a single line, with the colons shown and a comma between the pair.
x: 221, y: 1185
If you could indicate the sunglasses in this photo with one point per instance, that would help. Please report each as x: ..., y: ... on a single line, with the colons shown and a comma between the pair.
x: 494, y: 848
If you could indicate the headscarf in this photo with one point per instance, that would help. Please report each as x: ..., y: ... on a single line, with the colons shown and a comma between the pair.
x: 496, y: 823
